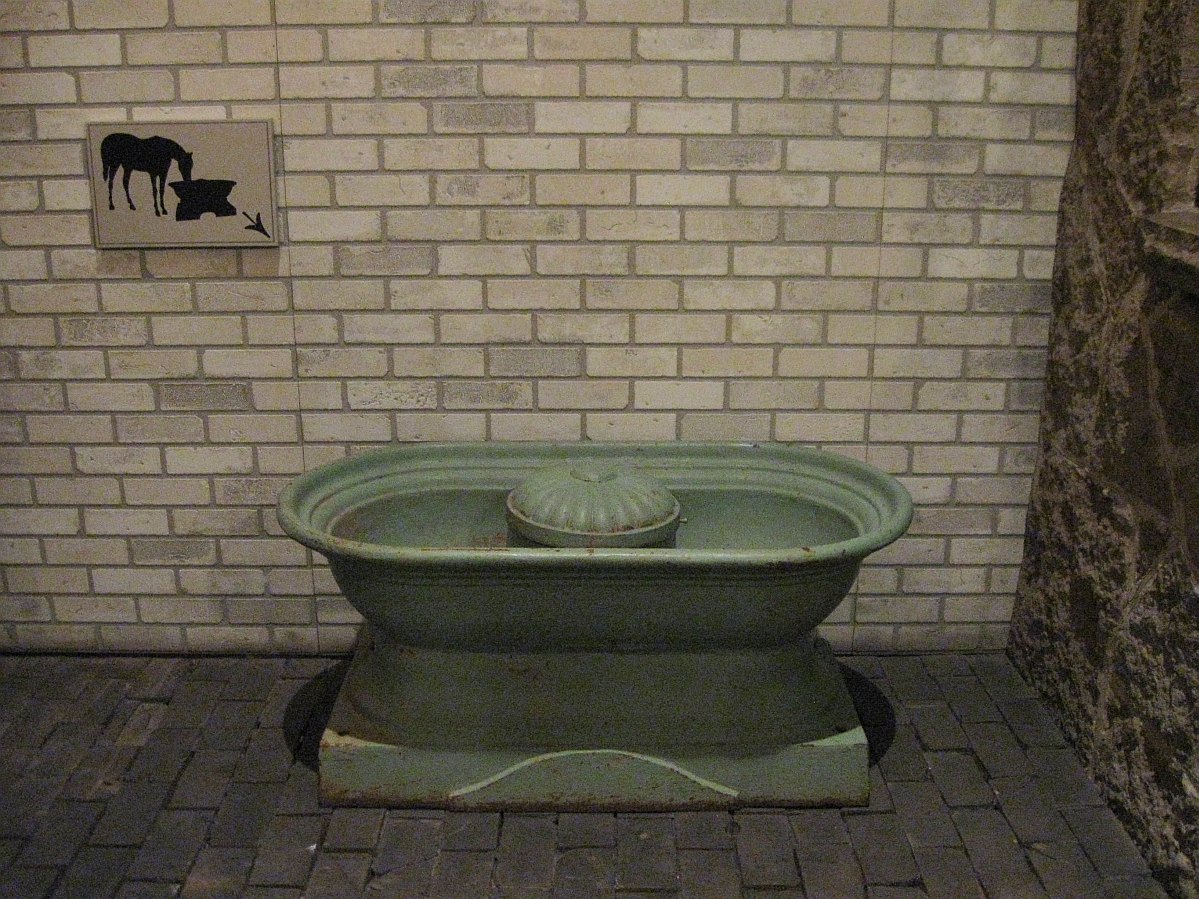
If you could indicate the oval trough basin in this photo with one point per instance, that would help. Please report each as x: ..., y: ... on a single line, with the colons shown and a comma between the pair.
x: 770, y: 541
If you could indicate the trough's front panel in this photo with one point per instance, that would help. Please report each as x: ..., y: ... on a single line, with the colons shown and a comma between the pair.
x: 818, y: 221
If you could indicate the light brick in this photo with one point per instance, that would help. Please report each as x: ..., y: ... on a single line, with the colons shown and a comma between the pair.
x: 42, y: 15
x: 942, y: 13
x: 379, y: 118
x: 820, y: 427
x: 482, y: 190
x: 823, y: 362
x: 1036, y: 15
x: 1056, y: 88
x: 531, y: 10
x: 638, y: 11
x: 531, y: 153
x: 684, y: 118
x: 633, y: 224
x: 552, y: 80
x: 582, y: 117
x: 750, y: 81
x: 786, y: 118
x: 678, y: 395
x: 583, y: 260
x: 680, y: 190
x: 1020, y: 159
x: 488, y: 42
x: 326, y: 81
x: 423, y: 80
x: 785, y: 261
x: 417, y: 11
x: 431, y: 153
x: 270, y: 45
x: 682, y: 259
x: 334, y: 224
x: 966, y: 262
x: 483, y: 260
x: 112, y: 14
x: 686, y: 43
x: 60, y: 51
x: 582, y: 42
x: 838, y: 82
x: 917, y: 363
x: 600, y: 190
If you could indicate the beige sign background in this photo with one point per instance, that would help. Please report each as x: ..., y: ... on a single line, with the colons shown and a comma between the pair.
x: 189, y: 184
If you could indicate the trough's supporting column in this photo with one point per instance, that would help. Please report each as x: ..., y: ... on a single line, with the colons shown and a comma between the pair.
x: 614, y: 731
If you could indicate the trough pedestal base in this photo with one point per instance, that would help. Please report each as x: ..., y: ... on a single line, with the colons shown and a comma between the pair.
x: 598, y: 731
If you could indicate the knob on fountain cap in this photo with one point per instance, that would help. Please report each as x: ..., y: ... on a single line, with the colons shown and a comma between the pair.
x: 593, y: 502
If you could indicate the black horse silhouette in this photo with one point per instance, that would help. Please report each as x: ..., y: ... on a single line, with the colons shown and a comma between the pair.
x: 152, y: 155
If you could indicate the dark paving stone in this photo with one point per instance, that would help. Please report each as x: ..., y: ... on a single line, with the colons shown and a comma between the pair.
x: 1032, y: 818
x: 157, y: 680
x: 947, y: 873
x: 880, y: 796
x: 459, y: 874
x: 579, y: 829
x: 969, y: 699
x: 1133, y: 888
x: 23, y: 804
x: 959, y: 778
x: 338, y: 875
x: 165, y: 753
x: 818, y: 827
x: 192, y: 703
x: 904, y: 759
x: 923, y: 814
x: 27, y: 883
x: 1065, y: 871
x: 406, y: 853
x: 766, y: 850
x: 1031, y: 724
x: 130, y: 813
x: 470, y: 831
x: 274, y: 707
x: 9, y: 850
x: 831, y: 870
x: 300, y: 794
x: 354, y: 828
x: 708, y: 874
x: 266, y: 758
x: 172, y: 845
x: 882, y: 849
x: 909, y: 679
x: 1108, y: 846
x: 253, y: 680
x: 245, y: 812
x: 229, y: 725
x: 218, y: 874
x: 936, y: 726
x: 98, y: 777
x: 1001, y: 865
x: 645, y: 853
x: 997, y: 749
x: 206, y: 779
x: 947, y: 664
x: 585, y: 873
x: 703, y: 830
x: 526, y: 853
x: 280, y: 865
x: 1001, y: 678
x: 1061, y: 778
x: 96, y: 873
x: 63, y: 830
x: 893, y: 892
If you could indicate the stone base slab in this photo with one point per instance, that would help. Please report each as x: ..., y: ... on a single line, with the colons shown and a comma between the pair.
x: 596, y: 731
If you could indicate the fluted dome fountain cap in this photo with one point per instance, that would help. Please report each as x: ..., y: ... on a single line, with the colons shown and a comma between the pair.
x: 593, y: 503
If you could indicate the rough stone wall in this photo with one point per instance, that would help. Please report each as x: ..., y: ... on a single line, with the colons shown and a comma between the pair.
x: 1107, y: 617
x: 824, y: 221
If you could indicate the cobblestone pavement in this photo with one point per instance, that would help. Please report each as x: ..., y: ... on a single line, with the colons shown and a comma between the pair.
x: 146, y: 778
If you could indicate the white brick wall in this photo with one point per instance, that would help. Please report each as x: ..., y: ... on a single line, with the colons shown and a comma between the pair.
x: 798, y: 220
